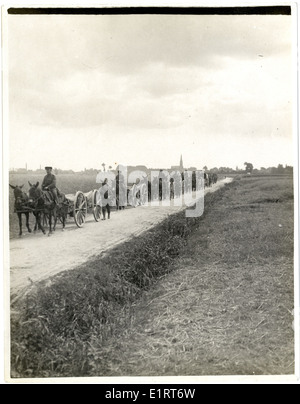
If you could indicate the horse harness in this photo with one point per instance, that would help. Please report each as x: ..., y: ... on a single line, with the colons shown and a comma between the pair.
x: 43, y: 196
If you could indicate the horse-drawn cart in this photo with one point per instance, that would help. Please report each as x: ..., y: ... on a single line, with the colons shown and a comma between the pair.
x: 81, y: 204
x: 47, y: 211
x: 138, y: 194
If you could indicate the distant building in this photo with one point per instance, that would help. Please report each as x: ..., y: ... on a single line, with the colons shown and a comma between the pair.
x: 180, y: 167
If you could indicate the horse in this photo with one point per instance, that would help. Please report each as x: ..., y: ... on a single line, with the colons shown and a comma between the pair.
x: 45, y: 204
x: 214, y: 178
x: 172, y: 188
x: 207, y: 180
x: 62, y: 211
x: 21, y: 206
x: 42, y: 202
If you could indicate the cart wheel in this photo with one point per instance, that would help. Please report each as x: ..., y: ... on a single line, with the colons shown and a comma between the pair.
x: 80, y: 209
x: 96, y: 208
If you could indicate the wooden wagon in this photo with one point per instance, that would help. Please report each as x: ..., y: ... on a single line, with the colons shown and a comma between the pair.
x: 81, y: 204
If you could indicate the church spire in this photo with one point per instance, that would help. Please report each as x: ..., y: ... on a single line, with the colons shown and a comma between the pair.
x: 181, y: 163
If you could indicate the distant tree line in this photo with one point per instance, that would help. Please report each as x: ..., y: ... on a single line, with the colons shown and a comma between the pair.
x: 249, y: 168
x: 280, y: 169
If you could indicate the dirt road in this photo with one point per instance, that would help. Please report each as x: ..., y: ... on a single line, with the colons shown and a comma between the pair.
x: 36, y: 257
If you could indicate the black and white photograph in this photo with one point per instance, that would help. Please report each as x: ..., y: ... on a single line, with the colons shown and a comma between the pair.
x: 150, y: 194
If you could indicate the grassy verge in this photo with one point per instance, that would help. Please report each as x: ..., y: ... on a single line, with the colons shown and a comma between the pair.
x: 223, y: 290
x: 227, y: 308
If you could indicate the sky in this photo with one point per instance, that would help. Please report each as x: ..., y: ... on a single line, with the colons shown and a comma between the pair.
x: 144, y: 89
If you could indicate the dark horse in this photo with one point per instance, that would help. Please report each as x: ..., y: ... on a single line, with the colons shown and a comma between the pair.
x: 21, y: 206
x: 45, y: 207
x: 42, y: 202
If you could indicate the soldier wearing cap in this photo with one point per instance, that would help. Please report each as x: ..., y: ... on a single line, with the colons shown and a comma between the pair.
x: 49, y: 184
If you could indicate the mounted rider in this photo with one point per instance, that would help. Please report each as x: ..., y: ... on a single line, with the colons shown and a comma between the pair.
x: 49, y: 184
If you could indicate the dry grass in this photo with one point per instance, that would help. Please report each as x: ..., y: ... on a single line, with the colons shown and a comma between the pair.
x: 53, y: 326
x: 222, y: 301
x: 206, y: 326
x: 227, y: 308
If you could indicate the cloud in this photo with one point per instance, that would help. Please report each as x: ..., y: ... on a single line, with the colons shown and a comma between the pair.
x: 156, y: 97
x: 159, y: 80
x: 166, y: 78
x: 56, y: 45
x: 239, y: 98
x: 132, y: 42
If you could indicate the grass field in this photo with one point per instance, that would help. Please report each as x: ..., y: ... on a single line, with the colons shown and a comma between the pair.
x: 202, y: 296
